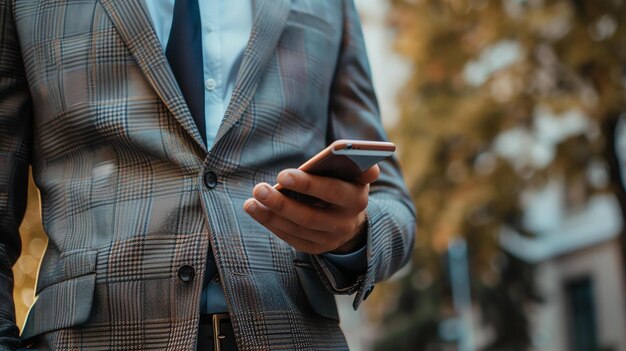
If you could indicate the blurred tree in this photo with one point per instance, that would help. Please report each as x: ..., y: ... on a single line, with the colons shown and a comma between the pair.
x: 504, y: 96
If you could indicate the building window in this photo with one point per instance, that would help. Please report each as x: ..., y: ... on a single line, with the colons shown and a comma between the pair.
x: 582, y: 320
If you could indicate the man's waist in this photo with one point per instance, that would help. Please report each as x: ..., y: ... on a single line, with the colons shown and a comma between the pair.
x: 215, y: 333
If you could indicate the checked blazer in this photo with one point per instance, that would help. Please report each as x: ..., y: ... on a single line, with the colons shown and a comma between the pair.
x: 88, y: 100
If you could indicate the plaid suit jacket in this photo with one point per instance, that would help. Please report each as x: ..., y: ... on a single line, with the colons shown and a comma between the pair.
x: 88, y: 100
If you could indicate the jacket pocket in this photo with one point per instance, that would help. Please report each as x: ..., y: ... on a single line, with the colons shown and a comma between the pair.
x: 322, y: 301
x: 65, y: 298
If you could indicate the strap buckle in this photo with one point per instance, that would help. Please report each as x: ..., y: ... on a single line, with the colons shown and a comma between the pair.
x: 217, y: 336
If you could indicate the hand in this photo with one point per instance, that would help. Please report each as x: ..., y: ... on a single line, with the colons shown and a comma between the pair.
x: 314, y: 230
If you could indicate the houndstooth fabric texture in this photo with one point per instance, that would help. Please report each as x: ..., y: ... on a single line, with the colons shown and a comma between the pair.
x: 88, y: 100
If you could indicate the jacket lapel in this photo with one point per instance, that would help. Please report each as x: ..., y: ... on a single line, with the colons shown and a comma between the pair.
x: 270, y: 17
x: 133, y: 23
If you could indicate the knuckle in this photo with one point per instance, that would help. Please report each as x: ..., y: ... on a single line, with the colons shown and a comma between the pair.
x: 308, y: 220
x: 362, y: 202
x: 293, y: 228
x: 328, y: 242
x: 344, y: 227
x: 335, y: 244
x: 278, y: 203
x: 264, y: 218
x: 305, y: 185
x: 339, y: 194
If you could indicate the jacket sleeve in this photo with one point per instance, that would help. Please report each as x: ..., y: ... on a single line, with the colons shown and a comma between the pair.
x: 15, y: 141
x: 354, y: 114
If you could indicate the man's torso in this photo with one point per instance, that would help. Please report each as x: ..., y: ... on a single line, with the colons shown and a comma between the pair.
x: 121, y: 173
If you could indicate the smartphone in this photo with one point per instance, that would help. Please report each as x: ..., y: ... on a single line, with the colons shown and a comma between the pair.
x: 343, y: 159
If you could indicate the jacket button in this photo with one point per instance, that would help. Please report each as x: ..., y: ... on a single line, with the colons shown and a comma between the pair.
x: 210, y: 179
x: 186, y: 273
x: 368, y: 292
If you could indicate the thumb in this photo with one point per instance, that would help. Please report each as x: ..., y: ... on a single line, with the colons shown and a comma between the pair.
x: 369, y: 176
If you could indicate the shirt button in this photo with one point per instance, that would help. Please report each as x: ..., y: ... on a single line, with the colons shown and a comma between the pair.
x: 186, y: 273
x: 210, y: 179
x: 210, y: 84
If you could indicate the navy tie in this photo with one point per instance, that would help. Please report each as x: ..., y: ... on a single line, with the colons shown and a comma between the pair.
x: 184, y: 53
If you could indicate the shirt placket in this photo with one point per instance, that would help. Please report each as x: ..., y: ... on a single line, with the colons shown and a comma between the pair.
x: 213, y: 77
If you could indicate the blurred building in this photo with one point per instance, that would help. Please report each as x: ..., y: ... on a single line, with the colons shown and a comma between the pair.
x: 580, y: 268
x: 575, y: 244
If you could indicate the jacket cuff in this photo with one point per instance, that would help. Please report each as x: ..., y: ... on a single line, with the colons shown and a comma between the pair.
x: 332, y: 281
x: 345, y: 268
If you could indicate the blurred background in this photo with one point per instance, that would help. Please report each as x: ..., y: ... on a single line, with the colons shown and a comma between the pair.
x: 510, y: 121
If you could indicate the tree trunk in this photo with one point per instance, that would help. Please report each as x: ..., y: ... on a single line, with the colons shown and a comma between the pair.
x: 609, y: 130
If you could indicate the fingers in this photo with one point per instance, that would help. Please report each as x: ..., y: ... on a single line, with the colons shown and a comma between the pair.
x: 297, y: 243
x: 369, y: 176
x: 302, y: 239
x: 333, y: 191
x: 307, y: 228
x: 303, y: 215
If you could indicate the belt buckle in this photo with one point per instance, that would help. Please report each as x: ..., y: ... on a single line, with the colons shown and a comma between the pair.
x: 217, y: 337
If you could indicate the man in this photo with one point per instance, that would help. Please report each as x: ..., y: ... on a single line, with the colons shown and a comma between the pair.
x: 147, y: 125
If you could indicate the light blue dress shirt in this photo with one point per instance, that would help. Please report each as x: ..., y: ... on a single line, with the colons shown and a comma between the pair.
x: 226, y: 27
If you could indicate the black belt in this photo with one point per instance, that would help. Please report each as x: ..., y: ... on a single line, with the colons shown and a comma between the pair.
x: 215, y: 333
